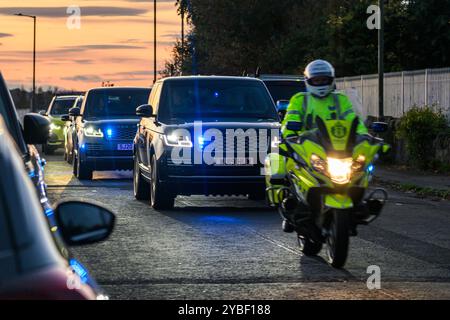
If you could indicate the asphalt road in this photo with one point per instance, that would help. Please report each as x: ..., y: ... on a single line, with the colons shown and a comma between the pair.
x: 233, y: 248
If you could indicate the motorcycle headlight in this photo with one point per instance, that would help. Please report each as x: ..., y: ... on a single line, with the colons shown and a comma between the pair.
x: 319, y: 164
x: 93, y: 132
x: 173, y: 140
x: 359, y: 163
x: 340, y: 170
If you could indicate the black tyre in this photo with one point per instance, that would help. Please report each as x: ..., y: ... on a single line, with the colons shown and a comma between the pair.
x: 83, y: 172
x: 74, y: 166
x: 338, y: 239
x: 309, y: 247
x: 160, y: 197
x: 141, y: 187
x: 70, y: 158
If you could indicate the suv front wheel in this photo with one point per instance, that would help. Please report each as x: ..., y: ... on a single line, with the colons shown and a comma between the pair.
x: 160, y: 197
x: 81, y: 171
x: 140, y: 186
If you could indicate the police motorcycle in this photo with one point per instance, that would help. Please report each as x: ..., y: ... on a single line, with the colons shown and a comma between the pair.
x: 319, y: 183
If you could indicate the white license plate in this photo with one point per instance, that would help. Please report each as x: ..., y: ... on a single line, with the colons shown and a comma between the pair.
x: 125, y: 147
x: 235, y: 162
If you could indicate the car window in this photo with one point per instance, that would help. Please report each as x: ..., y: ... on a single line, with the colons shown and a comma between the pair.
x: 114, y: 103
x: 8, y: 112
x: 215, y: 99
x: 61, y: 106
x: 79, y: 103
x: 156, y: 98
x: 284, y: 90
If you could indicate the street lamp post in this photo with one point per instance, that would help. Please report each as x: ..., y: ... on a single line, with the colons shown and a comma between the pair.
x: 154, y: 41
x: 381, y: 62
x: 33, y: 98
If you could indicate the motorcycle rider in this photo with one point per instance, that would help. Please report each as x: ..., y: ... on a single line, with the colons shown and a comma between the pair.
x: 322, y: 100
x: 319, y: 100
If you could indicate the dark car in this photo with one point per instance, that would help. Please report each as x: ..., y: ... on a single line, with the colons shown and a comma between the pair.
x: 35, y: 130
x: 58, y: 108
x: 69, y: 132
x: 282, y: 88
x: 32, y: 264
x: 105, y: 128
x: 188, y: 117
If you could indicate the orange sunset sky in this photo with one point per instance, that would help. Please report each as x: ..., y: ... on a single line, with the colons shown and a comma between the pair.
x: 115, y: 42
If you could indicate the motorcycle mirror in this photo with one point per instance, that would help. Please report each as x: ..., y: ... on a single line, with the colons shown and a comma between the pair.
x: 294, y: 125
x: 379, y: 127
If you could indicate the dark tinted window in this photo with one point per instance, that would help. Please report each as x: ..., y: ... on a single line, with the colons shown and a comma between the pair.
x: 115, y: 103
x: 79, y: 102
x: 61, y: 106
x: 285, y: 90
x: 215, y: 99
x: 3, y: 109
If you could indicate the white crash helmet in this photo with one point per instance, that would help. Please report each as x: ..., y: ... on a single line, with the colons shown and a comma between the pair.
x: 322, y: 69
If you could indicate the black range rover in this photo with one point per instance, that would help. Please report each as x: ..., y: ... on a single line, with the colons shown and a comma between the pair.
x: 104, y: 129
x: 203, y: 135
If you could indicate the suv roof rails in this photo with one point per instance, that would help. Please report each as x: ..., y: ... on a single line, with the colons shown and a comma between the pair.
x: 281, y: 77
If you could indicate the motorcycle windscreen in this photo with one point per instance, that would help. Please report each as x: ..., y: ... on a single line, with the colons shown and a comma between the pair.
x: 338, y: 135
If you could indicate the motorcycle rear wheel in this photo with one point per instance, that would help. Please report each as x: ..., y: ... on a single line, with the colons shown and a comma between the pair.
x: 338, y: 239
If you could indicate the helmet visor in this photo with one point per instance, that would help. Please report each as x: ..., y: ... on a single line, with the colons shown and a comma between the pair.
x: 320, y: 81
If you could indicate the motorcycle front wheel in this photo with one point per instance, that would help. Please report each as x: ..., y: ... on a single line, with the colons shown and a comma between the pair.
x: 309, y: 247
x: 338, y: 238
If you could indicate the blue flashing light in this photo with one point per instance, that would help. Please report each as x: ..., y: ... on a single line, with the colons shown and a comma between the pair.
x: 49, y: 212
x: 370, y: 168
x: 80, y: 270
x: 216, y: 94
x: 201, y: 141
x: 109, y: 133
x: 83, y: 147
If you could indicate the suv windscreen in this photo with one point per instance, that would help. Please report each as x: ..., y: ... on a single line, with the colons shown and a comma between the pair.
x: 61, y: 106
x: 115, y: 103
x: 285, y: 89
x: 215, y: 100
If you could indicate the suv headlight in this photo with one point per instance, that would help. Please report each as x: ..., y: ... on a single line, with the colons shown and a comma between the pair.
x: 54, y: 127
x: 93, y: 132
x: 340, y: 170
x: 275, y: 143
x: 173, y: 140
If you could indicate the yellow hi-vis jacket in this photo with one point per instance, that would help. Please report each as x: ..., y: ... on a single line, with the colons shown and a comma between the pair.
x: 304, y: 107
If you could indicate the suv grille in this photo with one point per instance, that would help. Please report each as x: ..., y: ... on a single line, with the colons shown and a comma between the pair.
x: 123, y: 133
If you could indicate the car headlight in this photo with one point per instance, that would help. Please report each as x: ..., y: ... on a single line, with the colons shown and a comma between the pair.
x: 173, y: 140
x: 359, y: 164
x: 340, y: 170
x: 275, y: 143
x: 93, y: 132
x: 54, y: 127
x: 319, y: 164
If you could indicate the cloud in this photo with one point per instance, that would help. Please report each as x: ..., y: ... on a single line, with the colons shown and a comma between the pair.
x: 83, y: 78
x: 59, y: 12
x: 100, y: 47
x: 5, y: 35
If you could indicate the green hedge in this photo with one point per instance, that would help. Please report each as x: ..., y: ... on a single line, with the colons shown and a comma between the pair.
x: 419, y: 128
